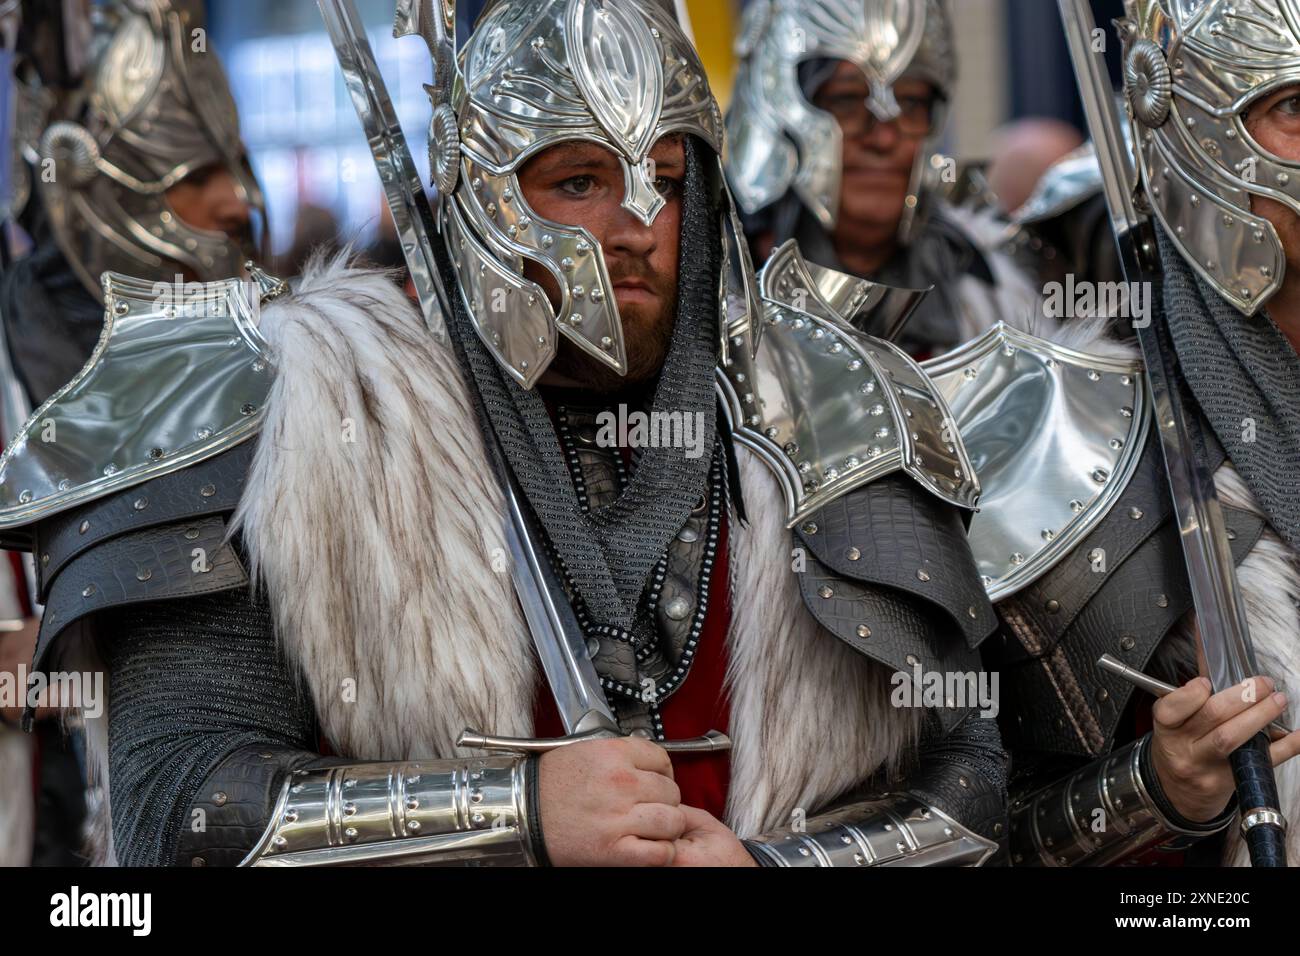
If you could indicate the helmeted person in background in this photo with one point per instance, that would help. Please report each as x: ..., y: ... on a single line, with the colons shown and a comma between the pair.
x: 134, y: 164
x: 838, y: 110
x: 338, y: 451
x: 1213, y: 95
x: 126, y: 156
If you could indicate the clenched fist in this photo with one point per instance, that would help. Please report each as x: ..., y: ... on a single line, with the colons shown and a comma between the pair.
x: 610, y: 803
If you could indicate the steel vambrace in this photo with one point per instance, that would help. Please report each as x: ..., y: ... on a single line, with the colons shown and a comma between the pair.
x: 1104, y: 813
x: 419, y: 813
x: 895, y: 830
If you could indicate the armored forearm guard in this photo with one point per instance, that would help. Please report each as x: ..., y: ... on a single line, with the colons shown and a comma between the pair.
x: 1101, y: 815
x: 425, y: 813
x: 896, y: 830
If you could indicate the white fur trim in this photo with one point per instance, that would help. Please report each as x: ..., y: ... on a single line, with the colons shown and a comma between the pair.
x: 1270, y: 583
x: 372, y: 519
x: 396, y: 589
x: 810, y: 716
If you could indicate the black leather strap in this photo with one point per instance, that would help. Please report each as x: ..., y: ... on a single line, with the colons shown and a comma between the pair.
x: 181, y: 560
x: 533, y: 783
x: 211, y: 487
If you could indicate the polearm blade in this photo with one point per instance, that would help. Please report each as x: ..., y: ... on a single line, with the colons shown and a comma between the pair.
x: 403, y: 190
x: 1220, y: 606
x: 561, y: 645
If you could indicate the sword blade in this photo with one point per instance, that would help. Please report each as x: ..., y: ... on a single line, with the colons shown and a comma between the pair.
x: 1220, y: 607
x: 560, y: 643
x: 403, y: 190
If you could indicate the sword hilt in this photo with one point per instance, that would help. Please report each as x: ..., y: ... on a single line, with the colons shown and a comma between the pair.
x: 710, y: 742
x: 1262, y: 824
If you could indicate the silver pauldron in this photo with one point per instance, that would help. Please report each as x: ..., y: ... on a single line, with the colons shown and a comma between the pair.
x: 1101, y: 815
x: 1055, y: 435
x: 470, y: 812
x: 897, y: 831
x: 829, y: 408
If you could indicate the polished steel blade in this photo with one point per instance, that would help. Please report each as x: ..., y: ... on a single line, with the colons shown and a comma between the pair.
x: 1220, y: 607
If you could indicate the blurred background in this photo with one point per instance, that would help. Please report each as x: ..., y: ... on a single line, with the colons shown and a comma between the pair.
x: 316, y: 169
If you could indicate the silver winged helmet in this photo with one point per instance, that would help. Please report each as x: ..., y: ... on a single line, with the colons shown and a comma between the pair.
x: 155, y: 108
x: 1192, y: 68
x: 536, y: 73
x: 778, y: 140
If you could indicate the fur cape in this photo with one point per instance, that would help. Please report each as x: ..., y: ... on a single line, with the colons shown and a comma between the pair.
x: 374, y: 523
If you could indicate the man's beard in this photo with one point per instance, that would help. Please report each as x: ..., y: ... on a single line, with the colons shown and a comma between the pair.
x: 647, y: 336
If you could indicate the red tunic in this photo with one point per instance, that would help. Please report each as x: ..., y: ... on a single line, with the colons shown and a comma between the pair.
x: 699, y: 705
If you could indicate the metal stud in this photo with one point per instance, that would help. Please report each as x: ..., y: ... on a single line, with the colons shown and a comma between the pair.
x: 864, y: 631
x: 825, y: 592
x: 853, y: 554
x: 678, y: 608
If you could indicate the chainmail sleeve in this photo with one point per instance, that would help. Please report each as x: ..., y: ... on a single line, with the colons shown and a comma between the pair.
x: 193, y: 682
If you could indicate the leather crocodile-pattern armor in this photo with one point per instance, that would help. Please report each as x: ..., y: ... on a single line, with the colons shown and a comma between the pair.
x: 888, y: 571
x: 235, y: 802
x: 639, y: 674
x: 161, y: 540
x: 212, y: 487
x: 1121, y: 591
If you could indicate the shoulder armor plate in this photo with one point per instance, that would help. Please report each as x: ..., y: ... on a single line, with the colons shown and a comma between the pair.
x: 179, y: 375
x: 1054, y: 434
x: 831, y: 409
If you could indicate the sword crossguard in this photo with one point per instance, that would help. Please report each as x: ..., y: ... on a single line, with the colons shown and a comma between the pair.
x: 710, y: 742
